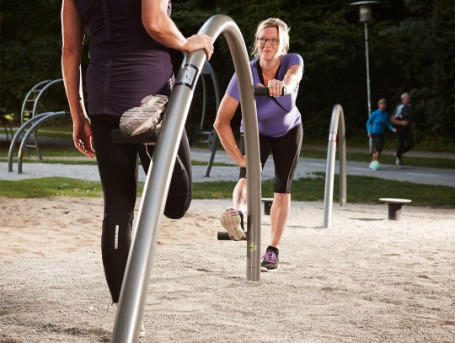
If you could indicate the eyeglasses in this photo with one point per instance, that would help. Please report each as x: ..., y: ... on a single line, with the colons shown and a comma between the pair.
x: 263, y: 41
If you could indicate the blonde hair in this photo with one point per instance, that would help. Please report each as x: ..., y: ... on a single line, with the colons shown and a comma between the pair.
x: 283, y: 35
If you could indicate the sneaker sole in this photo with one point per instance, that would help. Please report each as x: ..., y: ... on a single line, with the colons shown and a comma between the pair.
x: 265, y: 270
x: 230, y: 220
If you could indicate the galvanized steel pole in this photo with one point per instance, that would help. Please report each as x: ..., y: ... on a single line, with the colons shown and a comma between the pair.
x: 138, y: 269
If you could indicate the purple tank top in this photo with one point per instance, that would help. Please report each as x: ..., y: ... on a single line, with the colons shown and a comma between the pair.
x: 126, y: 64
x: 276, y: 116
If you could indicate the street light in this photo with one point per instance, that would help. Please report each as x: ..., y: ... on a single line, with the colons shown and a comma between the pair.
x: 365, y: 17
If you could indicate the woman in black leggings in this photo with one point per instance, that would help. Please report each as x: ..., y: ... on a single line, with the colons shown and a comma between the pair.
x: 118, y: 167
x: 129, y: 60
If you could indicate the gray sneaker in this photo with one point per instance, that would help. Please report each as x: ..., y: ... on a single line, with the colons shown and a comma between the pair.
x: 232, y: 221
x: 398, y: 163
x: 148, y: 116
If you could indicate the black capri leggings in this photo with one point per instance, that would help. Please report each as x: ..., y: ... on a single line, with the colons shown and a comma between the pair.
x: 378, y: 142
x: 285, y: 151
x: 118, y: 168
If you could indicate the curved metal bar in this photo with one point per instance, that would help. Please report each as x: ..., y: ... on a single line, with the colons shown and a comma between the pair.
x: 18, y: 134
x: 29, y: 132
x: 208, y: 67
x: 40, y: 91
x: 40, y: 94
x: 28, y: 95
x: 337, y: 132
x: 138, y: 269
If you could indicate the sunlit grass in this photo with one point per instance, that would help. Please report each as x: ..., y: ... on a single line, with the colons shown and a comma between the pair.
x: 360, y: 189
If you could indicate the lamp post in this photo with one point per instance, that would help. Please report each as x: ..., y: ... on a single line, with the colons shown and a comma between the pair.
x: 365, y: 17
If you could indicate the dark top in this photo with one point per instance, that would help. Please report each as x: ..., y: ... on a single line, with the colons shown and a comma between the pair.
x: 403, y: 112
x: 126, y: 64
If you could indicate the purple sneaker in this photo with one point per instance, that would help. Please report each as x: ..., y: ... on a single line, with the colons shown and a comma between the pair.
x: 269, y: 261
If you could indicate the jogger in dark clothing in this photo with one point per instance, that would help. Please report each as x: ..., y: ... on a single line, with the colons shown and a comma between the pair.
x: 402, y: 119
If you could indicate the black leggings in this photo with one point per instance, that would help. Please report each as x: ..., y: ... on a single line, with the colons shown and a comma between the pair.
x: 117, y: 164
x: 405, y: 141
x: 285, y: 151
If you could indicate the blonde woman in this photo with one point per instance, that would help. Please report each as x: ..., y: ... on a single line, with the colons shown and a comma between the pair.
x: 280, y: 130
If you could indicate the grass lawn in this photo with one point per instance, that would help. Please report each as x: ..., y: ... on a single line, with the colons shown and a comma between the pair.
x: 360, y: 189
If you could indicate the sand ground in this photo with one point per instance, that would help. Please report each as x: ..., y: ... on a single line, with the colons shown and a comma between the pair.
x: 366, y: 279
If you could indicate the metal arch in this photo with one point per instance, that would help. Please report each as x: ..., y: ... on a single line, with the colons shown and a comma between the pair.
x: 36, y: 88
x: 41, y: 119
x: 208, y: 69
x: 337, y: 133
x: 18, y: 134
x: 33, y: 89
x: 138, y: 269
x: 40, y: 94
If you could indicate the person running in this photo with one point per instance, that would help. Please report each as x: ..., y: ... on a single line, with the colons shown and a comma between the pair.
x: 129, y: 61
x: 402, y: 119
x: 376, y: 124
x: 280, y: 131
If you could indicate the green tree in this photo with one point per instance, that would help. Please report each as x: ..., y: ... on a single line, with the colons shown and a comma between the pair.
x: 411, y: 49
x: 30, y: 49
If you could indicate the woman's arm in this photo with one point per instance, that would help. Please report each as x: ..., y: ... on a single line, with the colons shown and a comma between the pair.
x: 293, y: 77
x: 163, y: 29
x: 73, y: 30
x: 290, y: 81
x: 223, y: 128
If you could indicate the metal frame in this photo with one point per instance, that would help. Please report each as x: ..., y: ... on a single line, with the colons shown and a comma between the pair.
x: 337, y: 133
x: 32, y: 129
x: 33, y: 122
x: 37, y: 90
x: 140, y: 259
x: 212, y: 141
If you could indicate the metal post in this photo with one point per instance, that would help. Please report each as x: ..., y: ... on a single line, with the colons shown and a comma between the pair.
x: 138, y: 269
x: 365, y: 15
x: 337, y: 132
x: 367, y: 61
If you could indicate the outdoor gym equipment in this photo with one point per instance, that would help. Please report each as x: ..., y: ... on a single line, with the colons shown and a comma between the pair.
x: 29, y: 127
x: 30, y: 108
x: 140, y: 259
x: 337, y: 132
x: 211, y: 136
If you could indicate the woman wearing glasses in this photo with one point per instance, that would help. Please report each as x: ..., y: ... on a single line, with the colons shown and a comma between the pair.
x: 280, y: 130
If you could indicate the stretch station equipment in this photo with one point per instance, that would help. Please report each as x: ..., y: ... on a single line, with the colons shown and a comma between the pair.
x: 140, y: 259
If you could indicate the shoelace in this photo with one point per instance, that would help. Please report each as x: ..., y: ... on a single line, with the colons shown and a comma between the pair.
x: 270, y: 257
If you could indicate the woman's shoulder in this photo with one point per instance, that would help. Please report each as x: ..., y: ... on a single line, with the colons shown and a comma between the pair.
x: 292, y: 58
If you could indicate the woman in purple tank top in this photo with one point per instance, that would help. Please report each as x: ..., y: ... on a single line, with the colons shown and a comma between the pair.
x: 129, y: 60
x: 280, y: 130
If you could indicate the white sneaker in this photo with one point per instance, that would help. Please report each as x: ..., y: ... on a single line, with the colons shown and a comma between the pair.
x: 232, y: 221
x: 144, y: 118
x: 142, y: 331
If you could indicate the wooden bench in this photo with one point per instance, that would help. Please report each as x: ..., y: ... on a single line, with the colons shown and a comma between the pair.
x: 394, y: 206
x: 267, y: 205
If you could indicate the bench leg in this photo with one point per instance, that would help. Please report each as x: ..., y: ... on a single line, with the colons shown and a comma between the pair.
x: 394, y: 211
